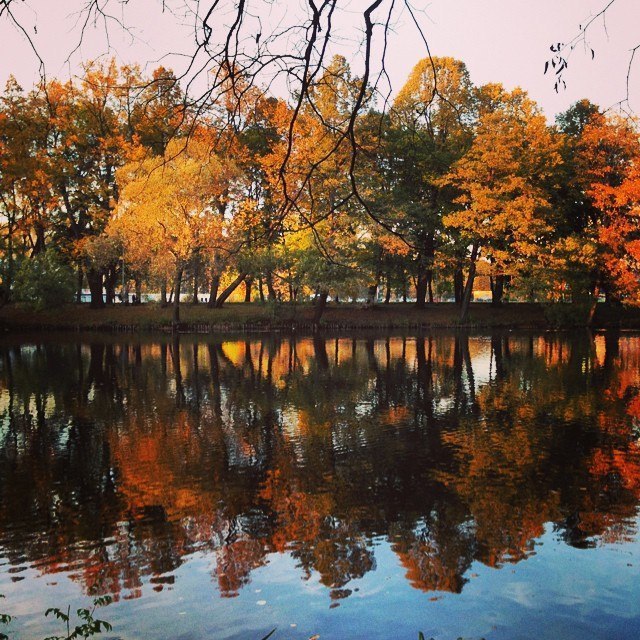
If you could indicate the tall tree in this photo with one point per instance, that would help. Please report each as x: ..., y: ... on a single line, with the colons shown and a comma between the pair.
x: 167, y: 214
x: 430, y: 129
x: 503, y: 203
x: 609, y: 168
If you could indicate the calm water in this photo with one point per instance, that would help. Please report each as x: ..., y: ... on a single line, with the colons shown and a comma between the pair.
x: 476, y: 486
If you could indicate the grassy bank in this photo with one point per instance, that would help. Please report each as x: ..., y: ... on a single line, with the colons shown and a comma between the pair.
x: 261, y: 317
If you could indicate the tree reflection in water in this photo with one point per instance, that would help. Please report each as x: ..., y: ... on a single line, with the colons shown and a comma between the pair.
x: 120, y: 457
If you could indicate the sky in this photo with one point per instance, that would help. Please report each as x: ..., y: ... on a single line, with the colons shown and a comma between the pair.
x: 503, y: 41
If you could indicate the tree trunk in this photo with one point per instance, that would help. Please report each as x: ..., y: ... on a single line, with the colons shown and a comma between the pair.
x: 110, y: 286
x: 372, y: 294
x: 213, y: 291
x: 194, y: 299
x: 176, y: 298
x: 94, y: 278
x: 268, y: 276
x: 260, y: 289
x: 248, y: 283
x: 421, y: 290
x: 163, y: 293
x: 79, y: 285
x: 497, y: 290
x: 138, y: 283
x: 321, y: 304
x: 8, y: 284
x: 430, y: 285
x: 387, y: 295
x: 39, y: 246
x: 468, y: 289
x: 592, y: 307
x: 229, y: 290
x: 458, y: 285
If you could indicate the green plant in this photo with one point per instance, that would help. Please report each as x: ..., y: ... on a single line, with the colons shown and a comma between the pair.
x: 87, y: 624
x: 5, y: 618
x: 44, y: 281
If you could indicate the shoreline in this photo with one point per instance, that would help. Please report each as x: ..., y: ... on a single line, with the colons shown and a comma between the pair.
x: 286, y: 318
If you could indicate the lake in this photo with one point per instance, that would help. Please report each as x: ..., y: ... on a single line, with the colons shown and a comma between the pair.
x: 368, y: 487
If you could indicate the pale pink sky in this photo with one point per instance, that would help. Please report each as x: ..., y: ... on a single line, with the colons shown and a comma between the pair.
x: 500, y: 41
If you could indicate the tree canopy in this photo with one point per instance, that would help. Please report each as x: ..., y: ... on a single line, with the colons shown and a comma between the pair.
x: 129, y: 184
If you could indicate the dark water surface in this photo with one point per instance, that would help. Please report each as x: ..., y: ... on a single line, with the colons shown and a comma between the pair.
x: 475, y: 486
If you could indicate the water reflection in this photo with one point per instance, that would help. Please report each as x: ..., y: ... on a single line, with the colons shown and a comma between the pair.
x: 121, y: 457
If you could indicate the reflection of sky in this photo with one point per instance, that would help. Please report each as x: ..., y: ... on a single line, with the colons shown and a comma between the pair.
x: 559, y: 592
x: 481, y: 360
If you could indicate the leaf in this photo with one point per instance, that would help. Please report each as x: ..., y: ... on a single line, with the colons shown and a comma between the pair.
x: 593, y: 54
x: 106, y: 625
x: 102, y: 601
x: 57, y: 613
x: 546, y: 66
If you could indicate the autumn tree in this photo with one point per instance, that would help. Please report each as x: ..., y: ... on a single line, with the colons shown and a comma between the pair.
x: 260, y: 122
x: 608, y: 156
x: 156, y: 109
x: 502, y: 181
x: 565, y: 269
x: 26, y: 198
x: 167, y: 213
x: 430, y: 128
x: 318, y: 183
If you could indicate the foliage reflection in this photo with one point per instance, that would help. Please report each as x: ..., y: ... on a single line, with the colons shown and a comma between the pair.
x: 120, y: 457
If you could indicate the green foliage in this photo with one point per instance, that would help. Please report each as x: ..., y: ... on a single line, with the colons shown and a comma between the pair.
x: 4, y: 620
x: 87, y: 624
x: 44, y: 281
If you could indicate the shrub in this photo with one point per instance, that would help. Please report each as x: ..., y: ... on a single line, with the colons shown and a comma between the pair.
x: 44, y: 281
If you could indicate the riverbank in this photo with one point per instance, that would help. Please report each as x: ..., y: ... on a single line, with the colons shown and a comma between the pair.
x: 285, y: 317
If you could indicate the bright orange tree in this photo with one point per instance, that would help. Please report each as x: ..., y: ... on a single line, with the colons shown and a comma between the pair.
x: 609, y: 159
